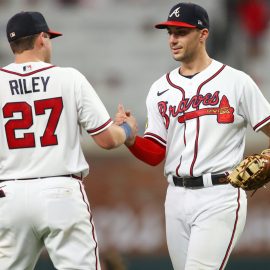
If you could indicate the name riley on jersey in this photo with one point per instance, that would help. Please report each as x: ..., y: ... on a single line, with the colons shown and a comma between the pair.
x: 23, y: 86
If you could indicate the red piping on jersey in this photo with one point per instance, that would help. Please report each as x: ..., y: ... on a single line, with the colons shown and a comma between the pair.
x: 174, y: 85
x: 261, y: 123
x: 154, y: 136
x: 185, y: 125
x: 177, y: 168
x: 196, y: 146
x: 26, y: 74
x: 183, y: 93
x: 233, y: 233
x: 91, y: 222
x: 99, y: 128
x: 185, y: 143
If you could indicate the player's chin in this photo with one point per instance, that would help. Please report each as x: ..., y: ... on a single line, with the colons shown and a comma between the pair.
x: 177, y: 57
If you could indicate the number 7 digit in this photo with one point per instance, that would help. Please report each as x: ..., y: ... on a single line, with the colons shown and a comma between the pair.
x: 56, y: 107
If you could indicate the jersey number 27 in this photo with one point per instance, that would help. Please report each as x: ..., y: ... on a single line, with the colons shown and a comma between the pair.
x: 55, y: 105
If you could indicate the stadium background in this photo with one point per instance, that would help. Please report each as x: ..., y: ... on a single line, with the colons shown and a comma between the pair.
x: 114, y: 44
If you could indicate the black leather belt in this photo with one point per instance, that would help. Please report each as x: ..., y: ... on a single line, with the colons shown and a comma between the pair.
x: 193, y: 182
x: 65, y: 175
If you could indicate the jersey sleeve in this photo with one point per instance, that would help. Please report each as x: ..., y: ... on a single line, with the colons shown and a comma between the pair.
x: 93, y: 115
x: 253, y: 105
x: 155, y: 127
x: 148, y: 151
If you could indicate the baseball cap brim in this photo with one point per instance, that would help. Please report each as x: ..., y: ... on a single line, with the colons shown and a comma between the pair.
x: 164, y: 25
x: 54, y: 34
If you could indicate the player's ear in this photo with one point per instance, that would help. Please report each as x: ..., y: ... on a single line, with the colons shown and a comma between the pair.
x: 204, y: 34
x: 40, y: 38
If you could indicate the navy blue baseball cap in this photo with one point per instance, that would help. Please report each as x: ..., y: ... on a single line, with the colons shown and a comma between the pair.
x: 186, y: 15
x: 27, y: 23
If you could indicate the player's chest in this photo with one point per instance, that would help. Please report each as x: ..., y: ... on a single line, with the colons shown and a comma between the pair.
x: 192, y: 94
x: 192, y: 100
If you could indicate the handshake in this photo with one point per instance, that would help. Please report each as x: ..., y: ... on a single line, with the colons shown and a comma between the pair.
x: 125, y: 120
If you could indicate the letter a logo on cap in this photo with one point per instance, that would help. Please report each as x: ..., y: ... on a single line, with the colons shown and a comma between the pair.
x: 176, y: 12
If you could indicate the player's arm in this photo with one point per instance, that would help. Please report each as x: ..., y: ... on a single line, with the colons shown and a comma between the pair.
x: 115, y: 135
x: 266, y: 130
x: 256, y: 113
x: 147, y: 150
x: 93, y: 117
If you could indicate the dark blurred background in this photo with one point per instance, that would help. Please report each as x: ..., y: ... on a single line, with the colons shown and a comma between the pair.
x: 113, y: 43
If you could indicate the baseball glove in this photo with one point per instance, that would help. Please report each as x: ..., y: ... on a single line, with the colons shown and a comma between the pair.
x: 253, y: 172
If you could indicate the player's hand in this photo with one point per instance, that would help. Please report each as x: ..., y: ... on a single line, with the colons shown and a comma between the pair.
x: 121, y: 115
x: 131, y: 120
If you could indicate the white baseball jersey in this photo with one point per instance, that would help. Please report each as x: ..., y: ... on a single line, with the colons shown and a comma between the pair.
x: 43, y: 109
x: 202, y: 121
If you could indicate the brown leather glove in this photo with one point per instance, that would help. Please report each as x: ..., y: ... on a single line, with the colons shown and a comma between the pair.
x: 253, y: 172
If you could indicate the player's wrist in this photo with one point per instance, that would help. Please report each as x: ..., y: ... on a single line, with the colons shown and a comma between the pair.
x: 127, y: 129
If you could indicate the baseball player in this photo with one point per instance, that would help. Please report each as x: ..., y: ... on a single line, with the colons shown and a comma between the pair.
x: 43, y: 109
x: 197, y: 119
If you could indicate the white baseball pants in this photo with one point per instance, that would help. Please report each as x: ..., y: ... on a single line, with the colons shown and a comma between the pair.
x: 51, y: 212
x: 203, y: 225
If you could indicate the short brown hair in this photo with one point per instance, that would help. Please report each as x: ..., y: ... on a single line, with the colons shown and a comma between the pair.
x: 23, y: 44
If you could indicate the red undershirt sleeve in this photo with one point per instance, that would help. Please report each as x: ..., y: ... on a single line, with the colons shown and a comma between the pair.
x: 148, y: 151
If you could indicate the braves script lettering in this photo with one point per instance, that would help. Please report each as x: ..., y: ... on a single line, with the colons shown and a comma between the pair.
x: 224, y: 112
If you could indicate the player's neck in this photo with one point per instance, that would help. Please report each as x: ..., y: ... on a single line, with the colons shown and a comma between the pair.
x: 195, y: 66
x: 28, y: 56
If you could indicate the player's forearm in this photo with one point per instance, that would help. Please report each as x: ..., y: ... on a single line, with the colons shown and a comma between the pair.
x: 118, y: 135
x: 110, y: 138
x: 148, y: 151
